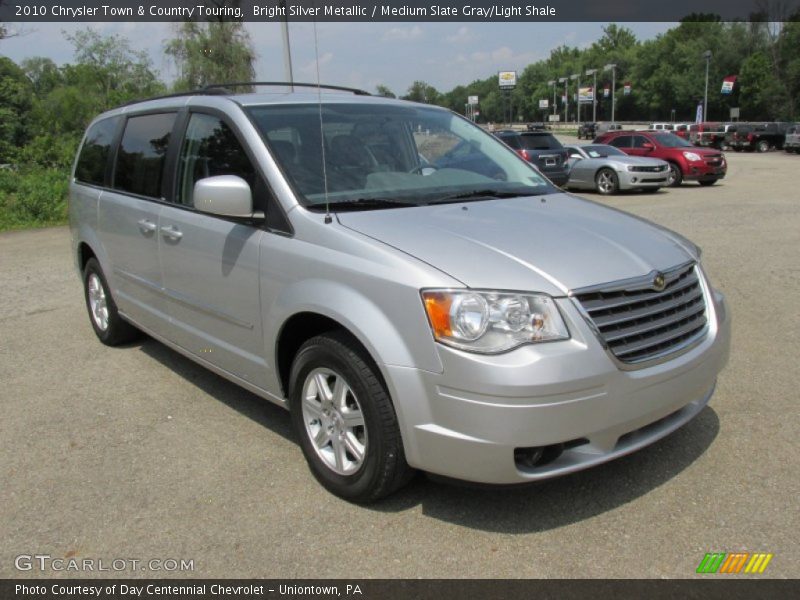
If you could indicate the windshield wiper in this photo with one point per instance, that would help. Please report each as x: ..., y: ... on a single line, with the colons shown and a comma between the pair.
x: 481, y: 194
x: 365, y: 204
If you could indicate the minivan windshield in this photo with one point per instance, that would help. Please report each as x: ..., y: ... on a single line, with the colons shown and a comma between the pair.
x: 380, y: 155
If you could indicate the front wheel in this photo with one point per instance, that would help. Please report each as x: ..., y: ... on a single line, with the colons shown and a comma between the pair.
x: 763, y: 146
x: 345, y: 420
x: 675, y: 177
x: 108, y: 325
x: 606, y: 182
x: 707, y: 181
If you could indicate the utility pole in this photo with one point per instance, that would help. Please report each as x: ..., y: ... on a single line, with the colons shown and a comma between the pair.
x: 613, y: 68
x: 287, y: 52
x: 553, y: 83
x: 594, y: 94
x: 577, y: 77
x: 565, y: 81
x: 707, y: 56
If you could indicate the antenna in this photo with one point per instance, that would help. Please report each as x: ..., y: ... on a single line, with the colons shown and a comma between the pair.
x: 328, y: 218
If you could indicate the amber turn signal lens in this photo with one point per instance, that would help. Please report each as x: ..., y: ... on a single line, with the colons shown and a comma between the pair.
x: 437, y: 305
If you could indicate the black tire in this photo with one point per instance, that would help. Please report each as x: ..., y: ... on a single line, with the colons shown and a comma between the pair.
x: 763, y: 146
x: 707, y: 182
x: 675, y: 177
x: 651, y: 190
x: 606, y: 182
x: 117, y: 330
x: 384, y: 468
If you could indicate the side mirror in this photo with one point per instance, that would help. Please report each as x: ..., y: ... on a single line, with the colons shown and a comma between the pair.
x: 224, y: 195
x: 576, y: 156
x: 648, y: 146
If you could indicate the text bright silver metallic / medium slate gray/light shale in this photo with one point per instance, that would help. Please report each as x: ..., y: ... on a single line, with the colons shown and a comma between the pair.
x: 415, y: 293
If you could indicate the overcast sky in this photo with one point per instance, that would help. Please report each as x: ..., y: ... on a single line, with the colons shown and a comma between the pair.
x: 356, y: 54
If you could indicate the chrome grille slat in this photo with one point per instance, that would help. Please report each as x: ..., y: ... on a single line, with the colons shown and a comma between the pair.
x: 638, y: 324
x: 633, y: 297
x: 639, y: 329
x: 615, y: 318
x: 693, y: 324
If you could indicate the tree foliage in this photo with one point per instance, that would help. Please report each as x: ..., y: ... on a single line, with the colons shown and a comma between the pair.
x: 207, y: 53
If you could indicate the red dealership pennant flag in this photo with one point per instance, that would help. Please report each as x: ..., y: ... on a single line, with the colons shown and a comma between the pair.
x: 728, y: 83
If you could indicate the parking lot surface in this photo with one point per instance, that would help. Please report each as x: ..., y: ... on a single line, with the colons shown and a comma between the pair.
x: 136, y: 452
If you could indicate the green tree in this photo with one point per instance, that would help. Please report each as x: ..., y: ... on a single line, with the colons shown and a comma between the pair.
x: 419, y: 91
x: 384, y: 91
x: 207, y: 53
x: 16, y: 98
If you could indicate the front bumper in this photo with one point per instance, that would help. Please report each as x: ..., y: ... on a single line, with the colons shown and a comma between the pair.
x: 629, y: 180
x: 467, y: 422
x: 700, y: 170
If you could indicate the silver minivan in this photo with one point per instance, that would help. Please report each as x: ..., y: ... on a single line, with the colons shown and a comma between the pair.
x: 417, y: 295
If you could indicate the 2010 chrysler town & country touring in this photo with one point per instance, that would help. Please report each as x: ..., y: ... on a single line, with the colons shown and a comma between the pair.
x: 417, y: 295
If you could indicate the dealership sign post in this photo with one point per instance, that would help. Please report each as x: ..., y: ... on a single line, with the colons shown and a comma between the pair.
x: 507, y: 80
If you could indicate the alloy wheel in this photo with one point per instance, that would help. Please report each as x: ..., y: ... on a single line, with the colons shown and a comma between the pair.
x: 333, y: 421
x: 98, y: 302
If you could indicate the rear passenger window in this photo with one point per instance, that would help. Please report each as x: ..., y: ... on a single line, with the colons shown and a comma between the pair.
x: 93, y: 159
x: 209, y: 149
x: 142, y: 153
x: 622, y: 141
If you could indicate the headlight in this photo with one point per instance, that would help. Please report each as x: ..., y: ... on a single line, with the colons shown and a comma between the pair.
x: 693, y: 156
x: 491, y: 322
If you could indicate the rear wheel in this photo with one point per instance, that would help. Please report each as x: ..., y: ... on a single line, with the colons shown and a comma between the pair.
x: 108, y: 325
x: 606, y: 182
x: 675, y: 177
x: 345, y: 420
x: 763, y: 146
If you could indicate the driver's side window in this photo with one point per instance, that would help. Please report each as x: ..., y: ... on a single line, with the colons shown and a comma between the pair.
x: 209, y: 149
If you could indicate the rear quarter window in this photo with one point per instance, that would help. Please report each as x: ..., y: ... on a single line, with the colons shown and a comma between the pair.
x: 142, y: 154
x: 93, y: 157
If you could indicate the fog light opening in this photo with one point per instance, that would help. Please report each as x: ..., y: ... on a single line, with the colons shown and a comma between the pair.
x: 537, y: 456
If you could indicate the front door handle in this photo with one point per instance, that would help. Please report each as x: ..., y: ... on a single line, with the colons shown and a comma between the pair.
x: 146, y: 226
x: 171, y: 232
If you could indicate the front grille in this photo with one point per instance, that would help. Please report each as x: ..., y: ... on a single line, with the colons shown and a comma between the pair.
x: 655, y: 169
x: 639, y: 323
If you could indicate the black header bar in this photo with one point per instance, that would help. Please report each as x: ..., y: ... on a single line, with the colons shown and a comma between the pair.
x: 541, y: 11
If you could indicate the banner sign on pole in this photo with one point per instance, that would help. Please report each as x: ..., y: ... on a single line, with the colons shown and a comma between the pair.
x: 727, y: 84
x: 472, y: 100
x: 544, y: 104
x: 507, y: 80
x: 606, y: 92
x: 586, y: 95
x: 626, y: 91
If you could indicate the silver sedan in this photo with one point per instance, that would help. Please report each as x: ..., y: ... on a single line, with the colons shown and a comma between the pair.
x: 608, y: 170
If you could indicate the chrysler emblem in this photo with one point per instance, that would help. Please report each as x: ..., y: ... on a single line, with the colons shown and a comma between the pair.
x: 659, y: 283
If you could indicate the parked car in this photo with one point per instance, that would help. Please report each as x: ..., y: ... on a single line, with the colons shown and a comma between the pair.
x: 540, y: 148
x: 587, y: 131
x: 661, y: 126
x: 736, y: 136
x: 761, y: 137
x: 537, y: 127
x: 791, y: 142
x: 608, y: 170
x: 707, y: 134
x: 409, y: 315
x: 604, y: 127
x: 686, y: 162
x: 682, y: 130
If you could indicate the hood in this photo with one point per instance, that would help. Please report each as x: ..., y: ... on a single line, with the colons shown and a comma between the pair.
x: 644, y: 161
x: 551, y: 244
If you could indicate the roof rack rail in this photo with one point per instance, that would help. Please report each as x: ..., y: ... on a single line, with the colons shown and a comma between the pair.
x: 225, y: 86
x: 198, y: 92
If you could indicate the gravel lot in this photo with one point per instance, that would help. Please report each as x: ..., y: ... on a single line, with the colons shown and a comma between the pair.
x: 137, y: 452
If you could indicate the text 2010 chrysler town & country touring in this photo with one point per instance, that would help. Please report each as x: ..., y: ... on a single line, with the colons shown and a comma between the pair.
x: 417, y: 295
